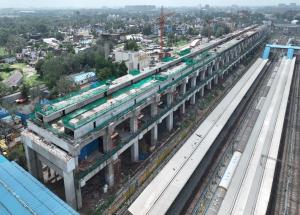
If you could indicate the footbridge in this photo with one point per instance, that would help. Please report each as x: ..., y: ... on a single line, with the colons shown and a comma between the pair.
x: 290, y: 50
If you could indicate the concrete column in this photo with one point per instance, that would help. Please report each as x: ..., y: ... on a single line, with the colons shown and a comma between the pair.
x: 170, y: 121
x: 78, y: 196
x: 134, y: 122
x: 217, y: 65
x: 70, y: 191
x: 202, y: 91
x: 183, y: 88
x: 193, y: 85
x: 107, y: 145
x: 182, y: 108
x: 154, y: 109
x: 33, y: 164
x: 193, y: 99
x: 228, y: 57
x: 154, y: 135
x: 210, y: 69
x: 193, y: 81
x: 135, y: 146
x: 202, y: 75
x: 216, y: 80
x: 209, y: 85
x: 135, y: 152
x: 110, y: 174
x: 170, y: 98
x: 107, y: 141
x: 40, y: 170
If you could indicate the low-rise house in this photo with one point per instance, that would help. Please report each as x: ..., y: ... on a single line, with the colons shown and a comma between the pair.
x: 83, y: 78
x: 14, y: 80
x: 51, y: 42
x: 9, y: 60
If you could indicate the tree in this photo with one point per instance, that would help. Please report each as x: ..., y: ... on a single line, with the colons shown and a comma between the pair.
x: 104, y: 74
x: 4, y: 35
x: 65, y: 85
x: 131, y: 45
x: 53, y: 69
x: 69, y: 48
x: 219, y: 31
x: 192, y: 31
x: 4, y: 90
x: 171, y: 39
x: 15, y: 44
x: 206, y: 31
x: 100, y: 62
x: 123, y: 68
x: 147, y: 30
x: 42, y: 28
x: 59, y: 36
x: 38, y: 67
x: 71, y: 65
x: 25, y: 90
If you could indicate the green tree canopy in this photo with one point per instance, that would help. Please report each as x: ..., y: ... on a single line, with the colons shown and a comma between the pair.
x: 25, y: 90
x: 66, y: 85
x: 131, y: 45
x: 4, y: 90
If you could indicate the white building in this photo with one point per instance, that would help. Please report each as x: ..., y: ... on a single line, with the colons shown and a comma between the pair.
x: 133, y: 59
x: 52, y: 42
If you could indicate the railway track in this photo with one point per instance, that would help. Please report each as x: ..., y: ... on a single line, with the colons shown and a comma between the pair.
x: 286, y: 192
x: 240, y: 133
x: 235, y: 78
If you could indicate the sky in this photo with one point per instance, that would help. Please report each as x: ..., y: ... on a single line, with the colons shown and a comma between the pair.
x: 119, y: 3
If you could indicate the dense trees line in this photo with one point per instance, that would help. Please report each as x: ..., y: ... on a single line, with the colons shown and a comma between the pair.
x: 15, y: 31
x: 216, y: 30
x: 52, y: 68
x: 131, y: 45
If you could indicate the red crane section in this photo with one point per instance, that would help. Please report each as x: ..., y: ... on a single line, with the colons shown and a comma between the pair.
x: 162, y: 20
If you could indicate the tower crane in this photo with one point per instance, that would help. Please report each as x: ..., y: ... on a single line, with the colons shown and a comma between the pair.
x: 162, y: 20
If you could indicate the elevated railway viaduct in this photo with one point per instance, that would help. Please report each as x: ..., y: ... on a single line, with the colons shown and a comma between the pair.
x: 85, y: 133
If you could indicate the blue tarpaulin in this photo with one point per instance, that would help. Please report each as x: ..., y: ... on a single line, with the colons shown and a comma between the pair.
x: 90, y: 148
x: 3, y: 113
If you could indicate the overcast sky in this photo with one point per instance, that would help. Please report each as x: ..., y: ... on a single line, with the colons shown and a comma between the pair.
x: 118, y: 3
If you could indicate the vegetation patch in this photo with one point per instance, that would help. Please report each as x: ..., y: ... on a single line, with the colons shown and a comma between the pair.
x: 182, y: 42
x: 19, y: 66
x: 4, y: 75
x: 3, y: 52
x: 34, y: 80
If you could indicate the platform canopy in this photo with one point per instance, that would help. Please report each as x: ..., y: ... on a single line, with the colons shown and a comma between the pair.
x: 21, y: 193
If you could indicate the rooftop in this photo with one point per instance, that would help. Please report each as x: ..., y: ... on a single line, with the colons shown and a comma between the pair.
x: 14, y: 80
x: 26, y: 195
x: 82, y: 76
